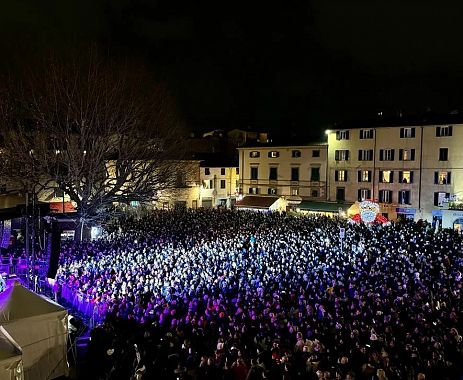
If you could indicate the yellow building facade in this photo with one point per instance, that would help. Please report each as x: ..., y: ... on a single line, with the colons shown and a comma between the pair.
x: 297, y: 172
x: 413, y: 171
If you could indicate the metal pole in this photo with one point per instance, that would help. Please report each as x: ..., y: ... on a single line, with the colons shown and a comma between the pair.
x: 33, y: 238
x: 27, y: 237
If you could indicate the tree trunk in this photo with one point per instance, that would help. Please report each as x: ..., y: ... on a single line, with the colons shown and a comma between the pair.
x: 82, y: 232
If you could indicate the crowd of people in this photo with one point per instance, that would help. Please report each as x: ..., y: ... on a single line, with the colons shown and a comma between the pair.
x: 220, y: 294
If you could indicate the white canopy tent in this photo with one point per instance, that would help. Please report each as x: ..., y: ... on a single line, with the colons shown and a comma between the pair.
x: 39, y: 326
x: 11, y: 364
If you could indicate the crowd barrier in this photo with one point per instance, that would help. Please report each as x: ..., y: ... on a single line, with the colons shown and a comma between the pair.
x: 84, y: 305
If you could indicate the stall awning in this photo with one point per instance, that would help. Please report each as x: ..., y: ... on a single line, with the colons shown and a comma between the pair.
x: 252, y: 201
x: 332, y: 207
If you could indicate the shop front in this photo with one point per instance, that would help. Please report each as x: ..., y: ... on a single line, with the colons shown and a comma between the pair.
x: 452, y: 219
x: 405, y: 213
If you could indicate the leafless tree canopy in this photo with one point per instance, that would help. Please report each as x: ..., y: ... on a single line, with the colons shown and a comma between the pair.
x: 102, y: 132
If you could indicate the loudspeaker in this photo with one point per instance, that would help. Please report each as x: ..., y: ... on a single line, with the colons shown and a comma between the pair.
x: 53, y: 249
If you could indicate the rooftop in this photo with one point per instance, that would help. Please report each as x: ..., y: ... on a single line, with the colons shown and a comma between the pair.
x: 427, y: 119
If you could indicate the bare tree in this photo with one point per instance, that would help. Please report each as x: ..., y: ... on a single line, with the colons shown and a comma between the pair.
x: 103, y: 133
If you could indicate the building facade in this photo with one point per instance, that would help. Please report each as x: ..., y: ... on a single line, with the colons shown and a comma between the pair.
x: 285, y: 171
x: 413, y: 171
x: 219, y: 185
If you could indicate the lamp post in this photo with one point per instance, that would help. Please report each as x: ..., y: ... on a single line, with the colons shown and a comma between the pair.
x: 31, y: 279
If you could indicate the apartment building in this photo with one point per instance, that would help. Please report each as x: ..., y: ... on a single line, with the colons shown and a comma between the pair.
x: 219, y: 184
x: 413, y: 171
x: 284, y: 171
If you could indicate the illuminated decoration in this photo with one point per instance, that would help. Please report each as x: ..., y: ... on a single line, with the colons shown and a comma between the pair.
x: 369, y: 213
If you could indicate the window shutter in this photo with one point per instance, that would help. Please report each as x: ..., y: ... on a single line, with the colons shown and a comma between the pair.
x: 436, y: 178
x: 359, y: 195
x: 369, y: 175
x: 345, y: 176
x: 370, y: 154
x: 392, y: 177
x: 436, y: 199
x: 338, y: 135
x: 381, y: 196
x: 401, y: 176
x: 437, y: 131
x: 347, y: 155
x: 412, y: 155
x: 413, y: 132
x: 361, y: 134
x: 381, y: 154
x: 449, y: 177
x: 392, y: 154
x: 369, y: 194
x: 411, y: 177
x: 450, y: 130
x: 360, y: 155
x: 336, y: 175
x: 401, y: 154
x: 336, y: 155
x: 347, y: 135
x: 359, y: 176
x: 402, y: 133
x: 380, y: 176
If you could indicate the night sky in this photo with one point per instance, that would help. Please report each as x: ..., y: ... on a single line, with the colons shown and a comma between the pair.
x: 295, y: 66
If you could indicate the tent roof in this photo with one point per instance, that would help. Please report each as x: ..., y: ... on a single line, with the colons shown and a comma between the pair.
x: 17, y: 302
x: 8, y: 347
x: 256, y: 202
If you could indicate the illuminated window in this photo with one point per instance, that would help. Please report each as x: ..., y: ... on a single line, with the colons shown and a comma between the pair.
x: 442, y: 178
x: 340, y: 175
x: 294, y: 191
x: 254, y: 154
x: 254, y: 190
x: 364, y: 176
x: 406, y: 176
x: 386, y: 176
x: 406, y: 154
x: 208, y: 184
x: 272, y: 191
x: 273, y: 154
x: 296, y: 153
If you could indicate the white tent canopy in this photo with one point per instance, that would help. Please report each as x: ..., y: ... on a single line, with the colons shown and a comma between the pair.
x: 11, y: 365
x: 39, y: 326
